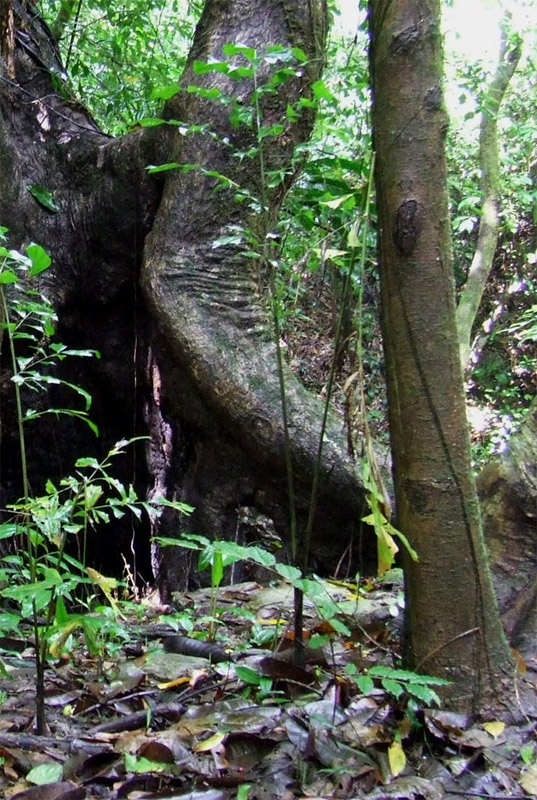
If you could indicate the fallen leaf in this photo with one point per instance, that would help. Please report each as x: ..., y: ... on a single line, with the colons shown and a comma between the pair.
x: 396, y: 758
x: 209, y: 744
x: 52, y: 791
x: 495, y: 728
x: 528, y: 780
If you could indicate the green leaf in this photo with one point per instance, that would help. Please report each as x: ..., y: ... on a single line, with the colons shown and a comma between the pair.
x: 7, y: 276
x: 291, y: 574
x: 393, y: 687
x: 248, y: 675
x: 217, y: 569
x: 165, y: 92
x: 339, y: 626
x: 322, y: 92
x: 299, y: 54
x: 45, y: 773
x: 201, y: 91
x: 162, y: 167
x: 151, y: 122
x: 236, y: 552
x: 7, y: 530
x: 365, y: 684
x: 203, y: 67
x: 236, y: 73
x: 336, y: 202
x: 40, y: 259
x: 61, y: 615
x: 43, y: 196
x: 423, y: 693
x: 135, y: 764
x: 249, y: 53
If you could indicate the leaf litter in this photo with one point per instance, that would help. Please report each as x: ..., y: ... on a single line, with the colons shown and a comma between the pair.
x: 168, y: 714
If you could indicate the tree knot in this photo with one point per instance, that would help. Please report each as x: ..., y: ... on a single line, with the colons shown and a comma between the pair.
x: 406, y: 227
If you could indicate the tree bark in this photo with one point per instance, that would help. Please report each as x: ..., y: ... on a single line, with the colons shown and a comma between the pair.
x: 187, y: 354
x: 452, y: 621
x: 487, y: 238
x: 508, y: 494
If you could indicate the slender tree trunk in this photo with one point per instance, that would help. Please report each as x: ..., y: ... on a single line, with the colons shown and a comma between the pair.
x: 453, y: 627
x: 470, y: 298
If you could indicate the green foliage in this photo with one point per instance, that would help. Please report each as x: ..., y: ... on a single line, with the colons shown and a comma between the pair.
x: 45, y: 581
x: 502, y: 382
x: 401, y: 684
x: 385, y: 532
x: 119, y: 56
x: 29, y: 321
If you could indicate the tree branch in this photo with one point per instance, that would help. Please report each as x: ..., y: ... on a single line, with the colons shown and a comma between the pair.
x: 470, y: 298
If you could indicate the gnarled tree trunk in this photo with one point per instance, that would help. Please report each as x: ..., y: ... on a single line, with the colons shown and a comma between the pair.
x: 187, y: 354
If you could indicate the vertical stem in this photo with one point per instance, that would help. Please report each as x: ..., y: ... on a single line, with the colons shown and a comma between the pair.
x: 30, y: 547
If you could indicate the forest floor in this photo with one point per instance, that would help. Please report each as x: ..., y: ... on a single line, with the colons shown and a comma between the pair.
x: 164, y: 710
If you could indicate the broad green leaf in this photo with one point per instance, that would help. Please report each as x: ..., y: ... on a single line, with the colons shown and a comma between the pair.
x: 340, y: 626
x: 165, y: 92
x: 241, y: 72
x: 243, y: 791
x: 423, y: 694
x: 7, y: 276
x: 43, y: 196
x: 248, y: 675
x: 321, y: 91
x: 9, y: 621
x: 393, y: 687
x: 92, y: 463
x: 365, y: 684
x: 8, y: 529
x: 336, y: 202
x: 40, y: 259
x: 236, y: 552
x: 201, y: 91
x: 45, y: 773
x: 230, y: 49
x: 288, y: 572
x: 142, y: 765
x: 299, y: 54
x: 203, y: 67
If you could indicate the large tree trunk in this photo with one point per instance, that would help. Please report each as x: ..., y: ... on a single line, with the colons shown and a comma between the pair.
x: 453, y: 626
x: 187, y: 354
